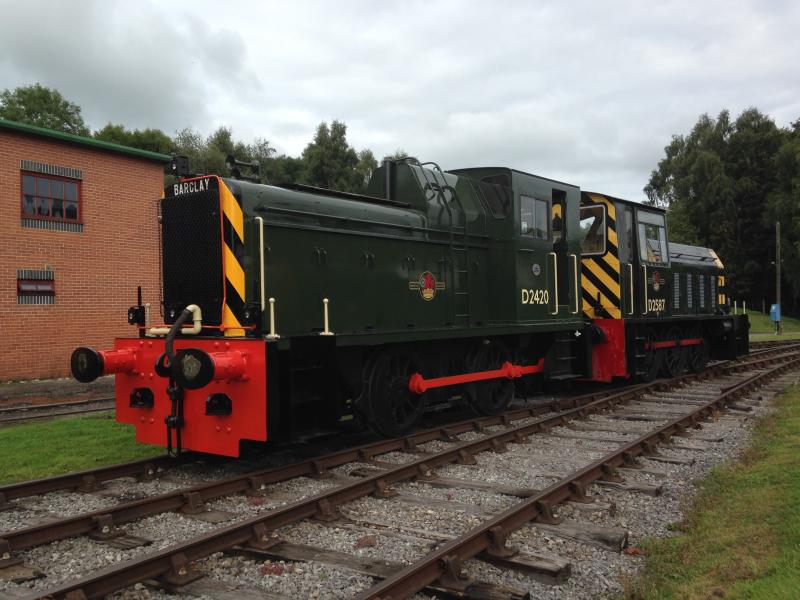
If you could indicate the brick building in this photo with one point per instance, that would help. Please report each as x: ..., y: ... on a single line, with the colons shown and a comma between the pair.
x: 78, y: 233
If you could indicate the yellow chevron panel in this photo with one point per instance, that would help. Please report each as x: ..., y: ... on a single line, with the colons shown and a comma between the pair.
x: 232, y: 325
x: 612, y: 238
x: 597, y: 271
x: 604, y: 302
x: 231, y: 209
x: 233, y: 270
x: 612, y: 261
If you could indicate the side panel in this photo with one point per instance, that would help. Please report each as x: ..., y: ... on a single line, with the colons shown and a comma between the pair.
x: 201, y: 432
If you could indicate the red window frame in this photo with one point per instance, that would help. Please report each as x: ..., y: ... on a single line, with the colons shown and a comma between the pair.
x: 50, y: 198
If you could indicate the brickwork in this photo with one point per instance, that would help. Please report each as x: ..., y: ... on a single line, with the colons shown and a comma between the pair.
x: 96, y: 270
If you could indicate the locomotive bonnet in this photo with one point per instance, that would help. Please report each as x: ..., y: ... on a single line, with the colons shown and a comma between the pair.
x: 288, y: 310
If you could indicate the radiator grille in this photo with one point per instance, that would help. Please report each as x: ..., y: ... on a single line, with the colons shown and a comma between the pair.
x: 192, y: 254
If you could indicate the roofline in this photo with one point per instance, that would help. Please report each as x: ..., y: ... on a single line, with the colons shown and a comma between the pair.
x: 510, y: 170
x: 631, y: 202
x: 84, y: 141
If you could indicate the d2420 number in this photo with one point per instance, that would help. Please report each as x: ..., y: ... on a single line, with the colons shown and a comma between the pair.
x: 535, y: 296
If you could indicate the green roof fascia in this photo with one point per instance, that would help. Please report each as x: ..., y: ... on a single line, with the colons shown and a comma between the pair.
x: 84, y: 141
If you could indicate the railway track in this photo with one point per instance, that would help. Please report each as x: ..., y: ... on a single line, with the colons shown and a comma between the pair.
x: 13, y: 415
x: 333, y: 482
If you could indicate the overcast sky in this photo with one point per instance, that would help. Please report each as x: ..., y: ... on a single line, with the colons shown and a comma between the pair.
x: 585, y: 92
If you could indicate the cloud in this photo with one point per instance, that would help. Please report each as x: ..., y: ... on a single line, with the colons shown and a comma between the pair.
x: 587, y: 92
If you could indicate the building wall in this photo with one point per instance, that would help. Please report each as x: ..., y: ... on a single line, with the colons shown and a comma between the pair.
x: 96, y: 270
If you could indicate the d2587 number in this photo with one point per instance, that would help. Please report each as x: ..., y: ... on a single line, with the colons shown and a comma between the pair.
x: 656, y: 305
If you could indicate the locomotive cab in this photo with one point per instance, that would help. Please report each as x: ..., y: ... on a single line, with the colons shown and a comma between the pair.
x: 659, y: 313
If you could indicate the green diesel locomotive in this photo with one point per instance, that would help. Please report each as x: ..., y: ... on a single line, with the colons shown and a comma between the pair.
x: 289, y: 308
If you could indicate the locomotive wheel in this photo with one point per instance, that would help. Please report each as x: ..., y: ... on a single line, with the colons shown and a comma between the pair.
x: 698, y: 355
x: 492, y: 396
x: 674, y: 361
x: 391, y: 408
x: 651, y: 362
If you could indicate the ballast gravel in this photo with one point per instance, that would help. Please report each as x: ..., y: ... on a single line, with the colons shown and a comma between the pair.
x: 402, y: 532
x: 598, y: 573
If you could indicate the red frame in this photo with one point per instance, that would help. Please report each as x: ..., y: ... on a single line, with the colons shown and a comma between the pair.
x: 78, y: 198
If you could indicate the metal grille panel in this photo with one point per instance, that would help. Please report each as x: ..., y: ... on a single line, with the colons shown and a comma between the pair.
x: 192, y: 254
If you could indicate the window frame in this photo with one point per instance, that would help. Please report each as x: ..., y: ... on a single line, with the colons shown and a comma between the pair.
x: 51, y: 178
x: 548, y: 220
x: 649, y: 217
x: 604, y: 209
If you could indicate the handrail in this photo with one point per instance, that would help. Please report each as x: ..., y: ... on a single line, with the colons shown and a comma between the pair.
x: 644, y: 308
x: 630, y: 281
x: 555, y: 280
x: 261, y: 261
x: 575, y: 275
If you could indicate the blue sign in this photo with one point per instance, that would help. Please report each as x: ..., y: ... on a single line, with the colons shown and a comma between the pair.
x: 775, y: 312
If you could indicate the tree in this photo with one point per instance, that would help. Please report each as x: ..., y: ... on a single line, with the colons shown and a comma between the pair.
x: 153, y: 140
x: 43, y: 107
x: 717, y: 183
x: 207, y: 155
x: 330, y: 162
x: 283, y: 169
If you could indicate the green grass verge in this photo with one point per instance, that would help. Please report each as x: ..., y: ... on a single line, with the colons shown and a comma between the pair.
x: 742, y: 536
x: 36, y: 450
x: 760, y: 323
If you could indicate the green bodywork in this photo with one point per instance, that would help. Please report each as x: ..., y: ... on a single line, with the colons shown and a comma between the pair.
x: 366, y: 255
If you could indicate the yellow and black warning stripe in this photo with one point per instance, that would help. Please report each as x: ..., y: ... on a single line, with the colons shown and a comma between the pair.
x: 232, y: 253
x: 600, y: 278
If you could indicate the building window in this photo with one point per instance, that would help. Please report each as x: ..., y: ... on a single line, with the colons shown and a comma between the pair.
x: 36, y: 286
x: 50, y: 198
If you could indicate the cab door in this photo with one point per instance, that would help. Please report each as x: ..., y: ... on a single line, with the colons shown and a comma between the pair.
x: 654, y: 271
x: 537, y: 263
x: 627, y: 260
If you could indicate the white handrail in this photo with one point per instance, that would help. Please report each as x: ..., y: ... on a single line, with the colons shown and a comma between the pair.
x: 630, y: 278
x: 555, y: 279
x: 644, y: 309
x: 261, y: 261
x: 577, y: 291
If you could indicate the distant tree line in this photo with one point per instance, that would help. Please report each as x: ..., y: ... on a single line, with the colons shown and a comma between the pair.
x: 724, y: 186
x: 328, y: 161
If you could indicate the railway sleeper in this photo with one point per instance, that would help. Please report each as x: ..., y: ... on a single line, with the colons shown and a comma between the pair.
x: 636, y: 487
x: 379, y: 568
x: 610, y: 538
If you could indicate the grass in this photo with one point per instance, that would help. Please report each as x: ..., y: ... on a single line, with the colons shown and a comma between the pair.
x: 41, y: 449
x: 760, y: 323
x: 742, y: 536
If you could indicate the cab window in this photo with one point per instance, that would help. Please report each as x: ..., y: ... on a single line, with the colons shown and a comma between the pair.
x: 497, y: 191
x: 534, y: 217
x: 593, y: 230
x: 652, y: 238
